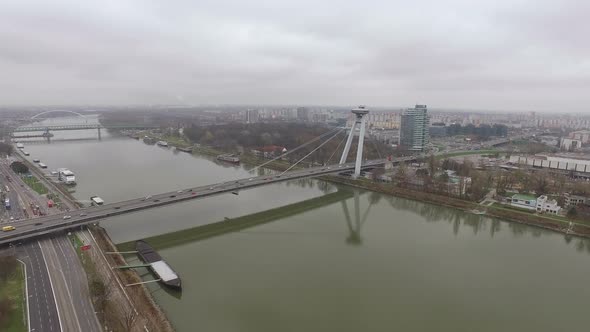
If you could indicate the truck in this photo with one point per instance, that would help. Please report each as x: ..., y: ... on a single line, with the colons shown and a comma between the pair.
x: 7, y: 203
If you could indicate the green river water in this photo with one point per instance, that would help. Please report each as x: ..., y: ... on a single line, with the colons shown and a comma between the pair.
x: 392, y: 265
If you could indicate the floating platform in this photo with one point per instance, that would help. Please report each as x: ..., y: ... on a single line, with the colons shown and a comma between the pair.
x: 157, y: 265
x: 230, y: 158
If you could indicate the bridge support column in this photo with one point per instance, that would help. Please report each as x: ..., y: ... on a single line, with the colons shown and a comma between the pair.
x: 99, y: 138
x: 360, y: 120
x: 348, y: 143
x: 47, y: 135
x: 359, y: 152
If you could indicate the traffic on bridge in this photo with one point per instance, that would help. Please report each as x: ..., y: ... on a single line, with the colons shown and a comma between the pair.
x: 31, y: 228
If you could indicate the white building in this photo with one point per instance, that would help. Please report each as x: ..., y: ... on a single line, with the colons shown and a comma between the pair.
x: 546, y: 205
x: 553, y: 162
x: 582, y: 135
x: 569, y: 144
x: 524, y: 201
x: 573, y: 200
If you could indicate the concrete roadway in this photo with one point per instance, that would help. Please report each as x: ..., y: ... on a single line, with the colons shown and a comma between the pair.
x: 43, y: 312
x: 70, y: 285
x: 51, y: 223
x: 57, y: 282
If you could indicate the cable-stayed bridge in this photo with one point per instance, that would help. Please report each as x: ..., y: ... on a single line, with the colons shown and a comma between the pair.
x: 36, y: 227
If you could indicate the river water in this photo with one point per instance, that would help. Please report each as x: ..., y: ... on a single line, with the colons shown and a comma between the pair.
x: 390, y: 265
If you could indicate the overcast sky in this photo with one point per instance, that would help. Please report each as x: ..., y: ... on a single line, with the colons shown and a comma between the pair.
x: 481, y: 54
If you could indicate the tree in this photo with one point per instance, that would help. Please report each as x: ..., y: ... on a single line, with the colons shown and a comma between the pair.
x: 480, y: 186
x: 8, y: 264
x: 572, y: 212
x: 19, y: 167
x: 433, y: 165
x: 401, y: 174
x: 266, y: 138
x: 541, y: 182
x: 6, y: 305
x: 129, y: 318
x: 6, y: 148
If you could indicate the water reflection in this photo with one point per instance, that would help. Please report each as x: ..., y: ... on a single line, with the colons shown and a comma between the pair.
x: 355, y: 227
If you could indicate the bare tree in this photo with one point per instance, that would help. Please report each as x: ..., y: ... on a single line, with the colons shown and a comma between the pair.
x: 402, y: 174
x: 129, y: 318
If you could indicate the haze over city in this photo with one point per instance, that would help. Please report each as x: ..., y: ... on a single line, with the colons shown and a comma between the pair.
x: 454, y: 54
x: 264, y: 166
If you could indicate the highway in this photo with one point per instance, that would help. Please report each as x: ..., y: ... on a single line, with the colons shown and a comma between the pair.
x: 51, y: 223
x: 43, y: 313
x: 58, y: 286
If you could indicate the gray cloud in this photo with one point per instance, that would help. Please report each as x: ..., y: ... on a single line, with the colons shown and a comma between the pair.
x: 510, y: 54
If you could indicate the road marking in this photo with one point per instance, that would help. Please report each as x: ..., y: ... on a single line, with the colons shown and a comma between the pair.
x: 26, y: 294
x: 52, y: 289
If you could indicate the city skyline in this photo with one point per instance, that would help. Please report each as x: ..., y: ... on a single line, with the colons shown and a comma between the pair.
x: 496, y: 55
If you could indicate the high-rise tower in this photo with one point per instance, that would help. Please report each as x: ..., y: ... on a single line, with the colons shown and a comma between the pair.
x: 360, y: 120
x: 413, y: 134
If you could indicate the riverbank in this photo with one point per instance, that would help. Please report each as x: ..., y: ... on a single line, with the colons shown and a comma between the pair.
x: 545, y: 222
x: 114, y: 301
x: 140, y: 297
x: 238, y: 224
x: 541, y: 221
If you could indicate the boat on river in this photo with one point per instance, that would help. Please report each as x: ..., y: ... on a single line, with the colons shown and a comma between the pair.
x: 157, y: 265
x: 230, y: 158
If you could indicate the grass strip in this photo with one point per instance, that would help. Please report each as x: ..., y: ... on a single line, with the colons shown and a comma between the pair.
x: 236, y: 224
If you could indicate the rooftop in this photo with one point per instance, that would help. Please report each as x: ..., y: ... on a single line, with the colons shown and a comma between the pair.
x: 524, y: 197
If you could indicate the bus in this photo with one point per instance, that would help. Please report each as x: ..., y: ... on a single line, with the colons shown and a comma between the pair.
x: 8, y: 228
x: 95, y: 200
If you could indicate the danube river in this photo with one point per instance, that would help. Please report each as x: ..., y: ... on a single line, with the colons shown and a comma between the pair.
x: 390, y: 265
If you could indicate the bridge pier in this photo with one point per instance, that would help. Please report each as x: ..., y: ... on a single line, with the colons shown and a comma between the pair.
x: 99, y: 137
x: 47, y: 135
x: 360, y: 120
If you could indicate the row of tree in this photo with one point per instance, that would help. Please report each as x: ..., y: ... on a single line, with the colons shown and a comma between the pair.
x: 234, y: 137
x: 483, y: 131
x: 6, y: 149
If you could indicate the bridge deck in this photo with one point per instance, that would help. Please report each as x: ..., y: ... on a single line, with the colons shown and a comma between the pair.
x: 44, y: 225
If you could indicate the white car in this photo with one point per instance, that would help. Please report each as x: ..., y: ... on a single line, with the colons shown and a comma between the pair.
x: 83, y: 214
x: 67, y: 217
x: 147, y: 197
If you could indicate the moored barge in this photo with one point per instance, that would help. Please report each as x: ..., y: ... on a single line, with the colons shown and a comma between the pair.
x: 158, y: 266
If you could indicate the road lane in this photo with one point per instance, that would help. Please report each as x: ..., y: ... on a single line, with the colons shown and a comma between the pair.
x: 77, y: 283
x: 63, y: 296
x: 44, y: 315
x: 48, y: 224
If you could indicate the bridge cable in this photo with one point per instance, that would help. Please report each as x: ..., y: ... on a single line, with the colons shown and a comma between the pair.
x: 376, y: 148
x: 336, y: 150
x: 295, y: 149
x: 314, y: 150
